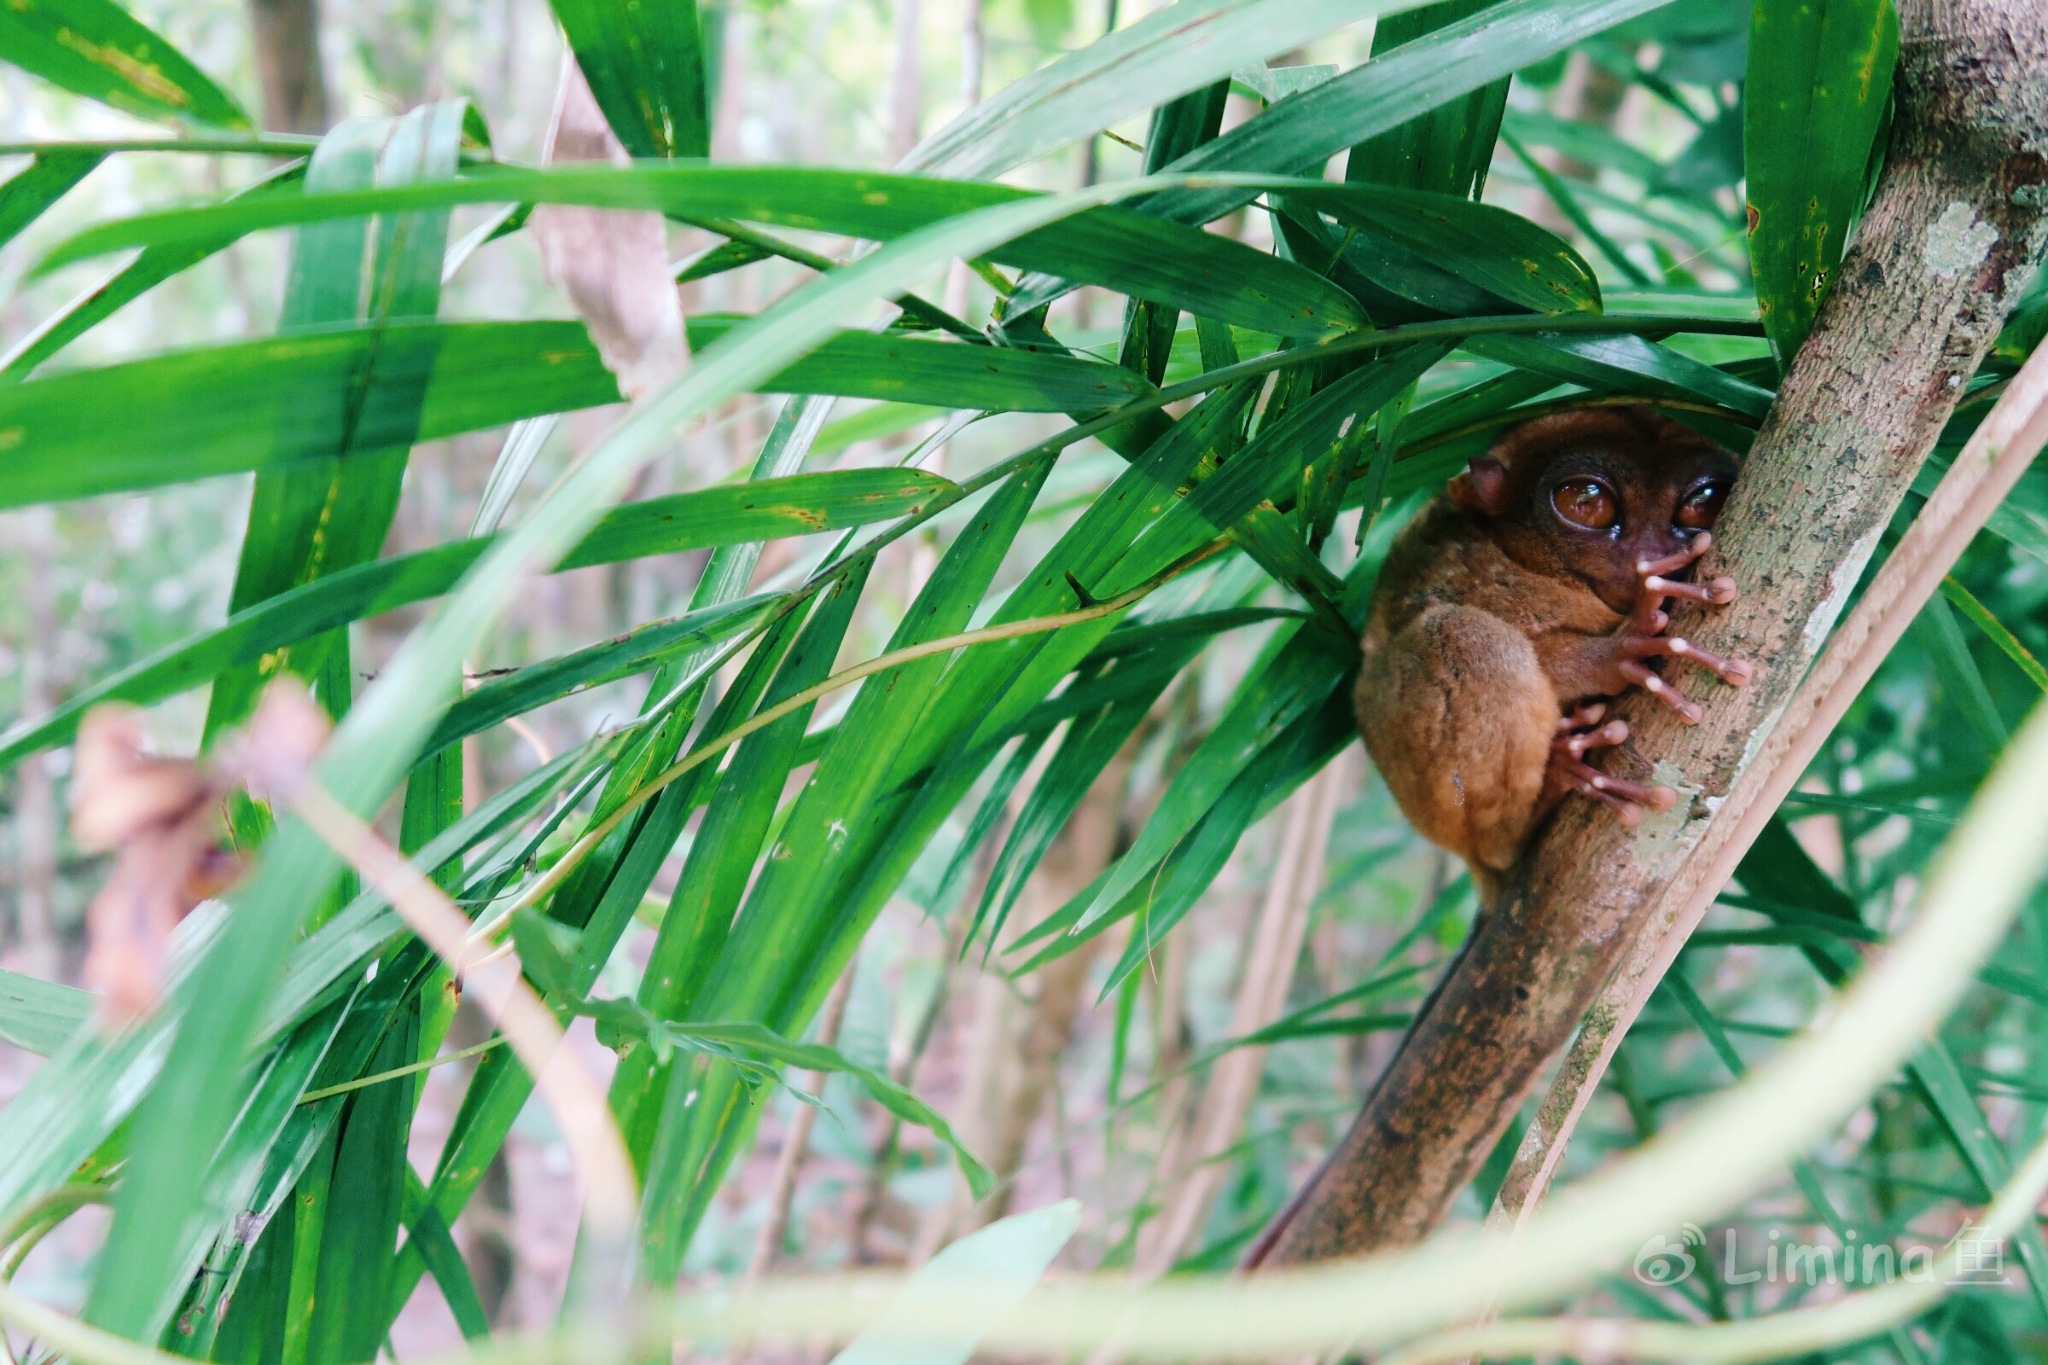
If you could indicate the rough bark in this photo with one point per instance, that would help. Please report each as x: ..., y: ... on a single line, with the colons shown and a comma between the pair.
x: 1951, y: 239
x: 288, y: 62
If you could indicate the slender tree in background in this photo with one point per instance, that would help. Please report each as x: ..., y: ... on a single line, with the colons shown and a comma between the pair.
x: 294, y: 79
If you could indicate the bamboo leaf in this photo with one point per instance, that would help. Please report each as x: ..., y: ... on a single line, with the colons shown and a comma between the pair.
x: 194, y: 1098
x: 1098, y: 733
x: 1503, y: 253
x: 1301, y: 674
x: 1120, y: 249
x: 282, y: 401
x: 97, y: 49
x: 942, y: 374
x: 798, y: 505
x: 1171, y: 51
x: 425, y: 1228
x: 1820, y: 75
x: 1305, y: 130
x: 898, y: 1100
x: 1627, y: 364
x: 126, y: 284
x: 294, y: 535
x: 1446, y: 150
x: 645, y: 65
x: 1995, y: 630
x: 45, y: 180
x: 38, y: 1016
x: 1583, y: 142
x: 635, y: 651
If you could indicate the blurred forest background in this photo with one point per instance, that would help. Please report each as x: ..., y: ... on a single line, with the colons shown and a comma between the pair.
x: 1207, y: 1083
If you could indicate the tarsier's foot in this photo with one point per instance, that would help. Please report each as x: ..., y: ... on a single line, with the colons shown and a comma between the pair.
x: 1580, y: 732
x: 1644, y: 637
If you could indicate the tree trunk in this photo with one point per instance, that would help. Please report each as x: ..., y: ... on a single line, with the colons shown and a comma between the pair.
x: 35, y: 802
x: 906, y: 79
x: 1949, y: 243
x: 1201, y: 1167
x: 288, y: 62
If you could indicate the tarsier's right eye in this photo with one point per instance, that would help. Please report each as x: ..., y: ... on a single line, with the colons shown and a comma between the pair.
x: 1697, y: 510
x: 1586, y: 502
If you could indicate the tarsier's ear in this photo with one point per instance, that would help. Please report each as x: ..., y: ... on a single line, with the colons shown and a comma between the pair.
x: 1483, y: 487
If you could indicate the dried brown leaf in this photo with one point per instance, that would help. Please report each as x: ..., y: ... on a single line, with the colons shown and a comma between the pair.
x: 160, y: 817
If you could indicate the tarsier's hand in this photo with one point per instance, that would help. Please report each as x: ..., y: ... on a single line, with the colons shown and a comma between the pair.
x: 1643, y: 634
x: 1642, y: 637
x: 1578, y: 734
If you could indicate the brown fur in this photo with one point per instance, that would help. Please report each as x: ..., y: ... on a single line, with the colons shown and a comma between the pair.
x: 1495, y: 615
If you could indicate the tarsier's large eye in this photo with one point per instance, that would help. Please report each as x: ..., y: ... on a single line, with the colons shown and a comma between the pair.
x: 1586, y: 502
x: 1698, y: 509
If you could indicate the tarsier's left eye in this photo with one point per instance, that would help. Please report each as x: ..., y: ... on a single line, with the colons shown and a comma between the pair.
x: 1697, y: 509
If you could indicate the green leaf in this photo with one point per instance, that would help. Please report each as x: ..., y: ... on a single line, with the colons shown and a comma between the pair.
x: 873, y: 423
x: 804, y: 917
x: 1995, y: 630
x: 1171, y: 51
x: 1291, y: 758
x: 1269, y: 469
x: 603, y: 894
x: 128, y: 283
x: 1778, y: 867
x: 1083, y: 753
x: 1501, y: 252
x: 1302, y: 672
x: 428, y: 1230
x: 1936, y: 629
x: 898, y: 1100
x: 721, y: 859
x: 38, y: 1016
x: 1130, y: 252
x: 731, y: 514
x: 1446, y: 150
x: 294, y: 534
x: 1003, y: 1260
x: 97, y: 49
x: 1304, y: 131
x: 263, y: 1128
x: 193, y: 1100
x: 942, y: 374
x: 1585, y: 142
x: 622, y: 656
x: 645, y: 64
x: 2021, y: 520
x: 1567, y: 203
x: 45, y: 180
x: 1623, y: 364
x: 287, y: 400
x: 1820, y: 74
x: 716, y: 260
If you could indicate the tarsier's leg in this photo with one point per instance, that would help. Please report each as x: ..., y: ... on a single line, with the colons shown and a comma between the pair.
x: 1459, y: 716
x: 1644, y: 637
x: 1580, y: 733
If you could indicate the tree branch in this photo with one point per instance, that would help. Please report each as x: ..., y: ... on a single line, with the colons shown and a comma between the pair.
x: 1947, y: 246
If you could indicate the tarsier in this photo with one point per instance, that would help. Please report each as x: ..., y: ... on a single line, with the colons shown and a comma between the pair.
x: 1518, y: 605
